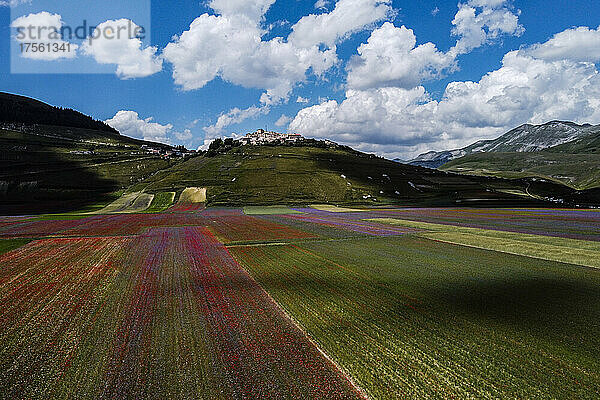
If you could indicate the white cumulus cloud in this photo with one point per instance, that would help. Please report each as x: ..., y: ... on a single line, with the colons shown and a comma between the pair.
x: 129, y: 123
x: 391, y: 58
x: 115, y: 42
x: 284, y: 120
x: 234, y: 116
x: 478, y: 22
x: 184, y: 136
x: 577, y: 44
x: 205, y: 145
x: 231, y: 47
x: 321, y: 4
x: 13, y: 3
x: 398, y: 121
x: 254, y: 10
x: 348, y: 16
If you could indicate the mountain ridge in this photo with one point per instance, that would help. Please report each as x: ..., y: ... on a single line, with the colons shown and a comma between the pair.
x: 527, y: 138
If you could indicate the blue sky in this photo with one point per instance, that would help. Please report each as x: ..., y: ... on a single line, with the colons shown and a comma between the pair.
x: 374, y: 104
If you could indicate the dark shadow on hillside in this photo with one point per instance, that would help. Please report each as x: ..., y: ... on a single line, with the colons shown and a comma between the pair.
x: 412, y: 185
x: 35, y: 179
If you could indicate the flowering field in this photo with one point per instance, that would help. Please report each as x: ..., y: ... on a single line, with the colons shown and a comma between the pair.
x: 244, y: 228
x: 167, y: 314
x: 34, y: 228
x: 212, y: 303
x: 352, y: 225
x: 130, y: 224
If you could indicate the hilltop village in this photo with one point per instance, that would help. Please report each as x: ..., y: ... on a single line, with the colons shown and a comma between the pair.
x: 262, y: 137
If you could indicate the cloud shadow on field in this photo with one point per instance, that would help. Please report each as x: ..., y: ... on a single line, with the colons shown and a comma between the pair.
x: 533, y: 304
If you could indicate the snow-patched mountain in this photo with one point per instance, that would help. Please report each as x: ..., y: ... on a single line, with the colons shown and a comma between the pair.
x: 524, y: 139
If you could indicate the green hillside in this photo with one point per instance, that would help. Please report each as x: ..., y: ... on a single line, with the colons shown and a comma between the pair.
x: 60, y: 169
x: 59, y: 160
x: 586, y: 145
x: 25, y: 110
x: 303, y: 175
x: 576, y: 164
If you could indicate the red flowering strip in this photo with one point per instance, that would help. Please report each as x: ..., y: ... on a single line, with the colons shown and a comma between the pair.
x: 115, y: 225
x: 196, y: 323
x: 131, y: 224
x: 245, y: 228
x: 50, y: 295
x: 263, y: 354
x: 128, y: 365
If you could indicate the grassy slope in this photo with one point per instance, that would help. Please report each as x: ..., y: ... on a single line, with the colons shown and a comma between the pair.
x: 413, y: 318
x: 581, y: 171
x: 269, y: 210
x: 114, y: 161
x: 587, y: 145
x: 70, y: 166
x: 283, y: 175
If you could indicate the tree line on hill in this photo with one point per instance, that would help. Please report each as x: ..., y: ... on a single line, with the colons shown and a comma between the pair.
x: 21, y: 110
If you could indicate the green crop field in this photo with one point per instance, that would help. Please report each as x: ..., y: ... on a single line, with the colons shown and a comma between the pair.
x: 8, y: 245
x: 410, y: 317
x: 269, y: 210
x: 161, y: 202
